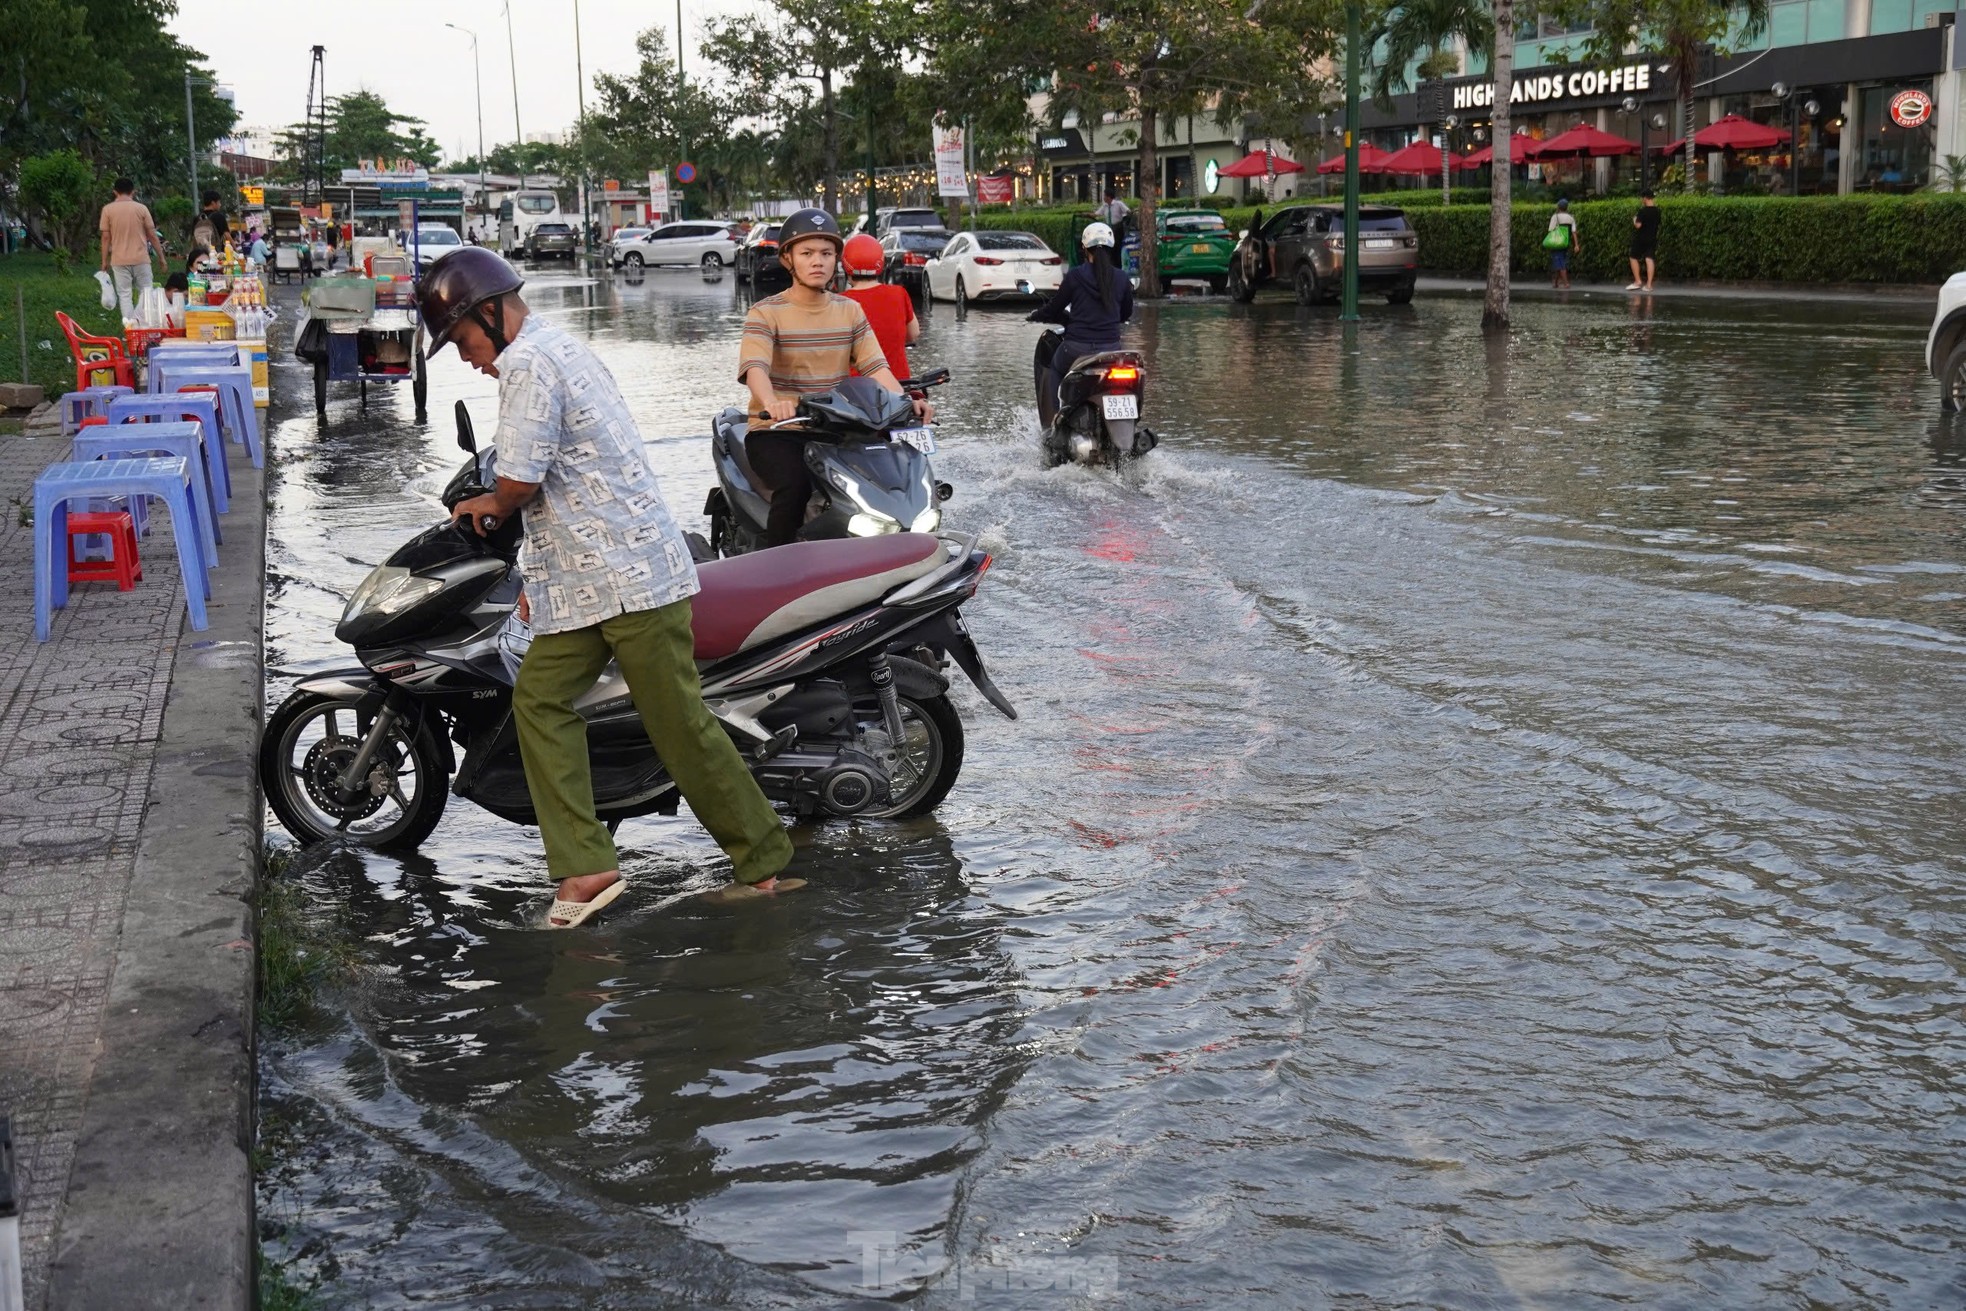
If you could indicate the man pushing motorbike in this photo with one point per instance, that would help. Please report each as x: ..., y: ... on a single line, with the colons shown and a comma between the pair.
x: 805, y: 340
x: 607, y: 575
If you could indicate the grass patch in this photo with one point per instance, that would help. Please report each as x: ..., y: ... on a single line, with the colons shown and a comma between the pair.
x: 279, y: 1292
x: 297, y: 956
x: 46, y: 289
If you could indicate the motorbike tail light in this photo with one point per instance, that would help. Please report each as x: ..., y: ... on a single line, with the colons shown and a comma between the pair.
x: 984, y: 568
x: 1122, y: 373
x: 991, y: 260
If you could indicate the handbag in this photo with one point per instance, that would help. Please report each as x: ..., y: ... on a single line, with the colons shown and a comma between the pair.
x: 1557, y: 238
x: 313, y: 344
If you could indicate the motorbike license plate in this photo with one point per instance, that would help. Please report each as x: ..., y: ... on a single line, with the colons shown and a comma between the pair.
x: 1380, y: 243
x: 922, y: 439
x: 1122, y: 406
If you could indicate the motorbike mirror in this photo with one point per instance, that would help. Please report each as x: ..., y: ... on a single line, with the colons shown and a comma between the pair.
x: 467, y: 441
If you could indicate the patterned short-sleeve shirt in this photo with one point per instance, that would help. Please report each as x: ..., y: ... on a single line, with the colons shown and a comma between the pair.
x: 600, y: 541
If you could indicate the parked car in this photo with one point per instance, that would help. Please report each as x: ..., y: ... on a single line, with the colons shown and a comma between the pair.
x: 1945, y: 345
x: 708, y: 246
x: 621, y: 236
x: 890, y: 217
x: 906, y: 253
x: 552, y: 240
x: 994, y: 266
x: 1304, y: 247
x: 757, y: 259
x: 433, y: 242
x: 1195, y: 243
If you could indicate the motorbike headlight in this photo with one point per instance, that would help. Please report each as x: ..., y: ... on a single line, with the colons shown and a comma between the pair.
x: 927, y: 521
x: 871, y: 525
x: 390, y: 590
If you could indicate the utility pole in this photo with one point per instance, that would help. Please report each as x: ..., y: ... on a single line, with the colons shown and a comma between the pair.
x: 681, y: 83
x: 519, y: 137
x: 580, y: 93
x: 191, y: 140
x: 478, y: 85
x: 1349, y: 312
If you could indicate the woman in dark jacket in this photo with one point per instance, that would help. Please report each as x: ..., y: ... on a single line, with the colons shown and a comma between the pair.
x: 1092, y: 302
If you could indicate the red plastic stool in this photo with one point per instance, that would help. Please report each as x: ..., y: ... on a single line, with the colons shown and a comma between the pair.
x: 124, y: 568
x: 92, y: 421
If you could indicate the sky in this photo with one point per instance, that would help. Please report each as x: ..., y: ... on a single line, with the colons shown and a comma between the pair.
x: 401, y: 50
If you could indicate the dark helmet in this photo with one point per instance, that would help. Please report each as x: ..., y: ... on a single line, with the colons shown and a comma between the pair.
x: 463, y: 281
x: 804, y: 225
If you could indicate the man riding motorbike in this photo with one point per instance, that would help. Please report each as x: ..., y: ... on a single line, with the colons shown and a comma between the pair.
x: 1092, y: 301
x: 607, y: 575
x: 805, y: 340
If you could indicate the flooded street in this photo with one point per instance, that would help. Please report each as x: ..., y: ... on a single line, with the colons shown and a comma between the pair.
x: 1484, y: 830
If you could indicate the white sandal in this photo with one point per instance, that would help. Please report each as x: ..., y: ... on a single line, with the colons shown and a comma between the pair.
x: 577, y: 913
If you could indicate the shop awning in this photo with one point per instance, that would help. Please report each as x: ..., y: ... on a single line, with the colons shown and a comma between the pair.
x: 1262, y: 164
x: 1371, y: 159
x: 1585, y: 141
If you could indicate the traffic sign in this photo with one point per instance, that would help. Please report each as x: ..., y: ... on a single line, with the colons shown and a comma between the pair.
x: 685, y: 173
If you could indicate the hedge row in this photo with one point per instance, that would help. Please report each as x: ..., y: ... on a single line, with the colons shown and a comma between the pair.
x: 1819, y: 239
x: 1918, y: 238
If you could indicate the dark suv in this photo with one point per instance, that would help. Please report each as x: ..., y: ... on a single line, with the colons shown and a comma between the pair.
x: 1304, y: 247
x: 555, y: 239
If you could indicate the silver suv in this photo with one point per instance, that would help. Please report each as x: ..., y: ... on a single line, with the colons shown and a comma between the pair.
x: 709, y: 246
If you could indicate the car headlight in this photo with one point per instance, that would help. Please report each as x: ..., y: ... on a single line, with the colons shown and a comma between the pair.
x: 390, y: 590
x: 927, y: 521
x: 871, y: 525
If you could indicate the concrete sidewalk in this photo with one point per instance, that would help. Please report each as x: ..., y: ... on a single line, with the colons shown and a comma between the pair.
x: 129, y: 842
x: 1534, y: 285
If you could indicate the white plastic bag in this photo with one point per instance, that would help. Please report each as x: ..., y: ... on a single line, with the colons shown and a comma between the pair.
x: 108, y: 289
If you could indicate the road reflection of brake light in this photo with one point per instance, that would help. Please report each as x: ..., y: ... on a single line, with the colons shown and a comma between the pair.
x: 1123, y: 373
x: 991, y: 260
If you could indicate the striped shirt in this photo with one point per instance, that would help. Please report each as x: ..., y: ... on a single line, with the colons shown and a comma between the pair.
x: 808, y: 349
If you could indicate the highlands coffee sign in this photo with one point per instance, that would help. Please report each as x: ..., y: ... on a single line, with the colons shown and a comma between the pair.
x: 1582, y: 84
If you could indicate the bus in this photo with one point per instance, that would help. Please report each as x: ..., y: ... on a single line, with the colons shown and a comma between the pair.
x: 519, y: 212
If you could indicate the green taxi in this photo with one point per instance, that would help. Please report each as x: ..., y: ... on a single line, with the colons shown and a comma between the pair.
x: 1195, y: 243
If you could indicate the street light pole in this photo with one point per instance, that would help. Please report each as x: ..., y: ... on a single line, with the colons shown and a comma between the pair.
x: 478, y: 86
x: 682, y: 82
x: 580, y: 93
x: 191, y: 140
x: 1349, y: 311
x: 519, y: 137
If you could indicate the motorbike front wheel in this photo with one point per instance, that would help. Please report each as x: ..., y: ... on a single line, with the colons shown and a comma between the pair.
x: 311, y: 739
x: 931, y: 757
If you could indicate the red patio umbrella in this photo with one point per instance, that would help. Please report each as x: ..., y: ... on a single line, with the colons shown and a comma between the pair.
x: 1371, y: 159
x: 1731, y: 133
x: 1417, y: 158
x: 1260, y: 164
x: 1521, y: 150
x: 1584, y: 141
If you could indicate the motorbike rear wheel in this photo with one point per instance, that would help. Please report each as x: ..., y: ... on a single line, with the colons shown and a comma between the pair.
x: 931, y: 758
x: 311, y: 738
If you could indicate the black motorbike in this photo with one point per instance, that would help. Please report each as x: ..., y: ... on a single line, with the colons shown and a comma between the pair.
x: 867, y: 454
x: 1095, y: 417
x: 827, y: 663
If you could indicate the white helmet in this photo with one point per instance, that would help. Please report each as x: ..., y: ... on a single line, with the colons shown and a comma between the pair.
x: 1096, y: 234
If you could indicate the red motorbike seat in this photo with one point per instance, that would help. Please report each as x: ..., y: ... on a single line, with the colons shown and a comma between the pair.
x: 766, y: 594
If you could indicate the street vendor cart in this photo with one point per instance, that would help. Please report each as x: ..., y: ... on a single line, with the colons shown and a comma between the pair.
x: 373, y: 333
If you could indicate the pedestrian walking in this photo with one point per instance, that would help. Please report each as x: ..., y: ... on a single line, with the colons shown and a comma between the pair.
x: 129, y: 235
x: 1562, y: 241
x: 1114, y: 214
x: 1645, y: 243
x: 607, y: 577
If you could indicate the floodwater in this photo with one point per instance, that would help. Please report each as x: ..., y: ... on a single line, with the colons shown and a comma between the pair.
x: 1484, y: 830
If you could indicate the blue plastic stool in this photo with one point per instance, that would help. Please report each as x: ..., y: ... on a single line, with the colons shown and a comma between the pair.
x: 76, y: 406
x: 167, y: 479
x: 175, y: 350
x: 177, y: 406
x: 184, y: 440
x: 235, y: 384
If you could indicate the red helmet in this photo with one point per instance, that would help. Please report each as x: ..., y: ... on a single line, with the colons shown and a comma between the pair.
x: 864, y: 256
x: 459, y: 284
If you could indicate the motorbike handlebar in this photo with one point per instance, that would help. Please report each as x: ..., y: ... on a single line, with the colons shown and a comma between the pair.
x: 933, y: 378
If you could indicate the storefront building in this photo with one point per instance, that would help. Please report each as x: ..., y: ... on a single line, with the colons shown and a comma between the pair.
x: 1875, y: 109
x: 1193, y: 151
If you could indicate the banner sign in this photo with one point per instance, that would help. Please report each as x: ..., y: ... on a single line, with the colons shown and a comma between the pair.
x: 400, y: 173
x: 997, y: 190
x: 951, y: 177
x: 659, y: 190
x: 254, y: 195
x: 1559, y: 86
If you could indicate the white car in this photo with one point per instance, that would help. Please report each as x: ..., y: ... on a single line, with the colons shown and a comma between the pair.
x: 709, y: 246
x: 621, y: 237
x: 432, y: 244
x: 994, y: 266
x: 1945, y: 345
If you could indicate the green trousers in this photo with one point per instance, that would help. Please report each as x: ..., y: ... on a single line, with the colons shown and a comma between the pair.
x: 655, y: 650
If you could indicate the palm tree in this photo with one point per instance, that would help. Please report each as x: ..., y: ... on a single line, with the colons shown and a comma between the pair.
x: 1411, y: 27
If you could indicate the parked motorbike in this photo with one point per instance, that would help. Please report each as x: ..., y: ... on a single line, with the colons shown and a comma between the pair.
x: 1097, y: 415
x: 826, y: 662
x: 868, y: 457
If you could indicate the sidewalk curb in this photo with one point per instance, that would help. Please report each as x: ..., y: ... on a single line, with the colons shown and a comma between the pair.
x: 159, y: 1212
